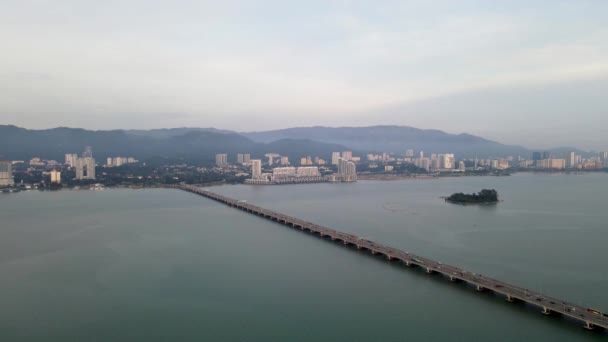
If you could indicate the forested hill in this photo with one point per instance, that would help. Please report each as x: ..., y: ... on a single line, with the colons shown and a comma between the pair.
x: 194, y: 145
x: 396, y: 139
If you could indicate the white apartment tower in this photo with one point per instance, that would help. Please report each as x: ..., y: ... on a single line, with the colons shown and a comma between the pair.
x: 335, y: 158
x: 603, y: 159
x: 221, y: 159
x: 55, y: 177
x: 70, y: 159
x: 6, y: 173
x: 256, y: 168
x: 570, y: 158
x: 85, y: 168
x: 347, y: 170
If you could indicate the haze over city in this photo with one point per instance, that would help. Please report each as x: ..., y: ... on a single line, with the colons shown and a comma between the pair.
x: 519, y: 72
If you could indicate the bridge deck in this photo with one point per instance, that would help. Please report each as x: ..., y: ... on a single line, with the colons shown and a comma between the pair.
x: 590, y: 318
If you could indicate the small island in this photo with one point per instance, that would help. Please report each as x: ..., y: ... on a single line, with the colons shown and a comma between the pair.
x: 485, y: 196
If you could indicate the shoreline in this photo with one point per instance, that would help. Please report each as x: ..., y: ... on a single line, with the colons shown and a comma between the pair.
x: 471, y: 203
x: 393, y: 177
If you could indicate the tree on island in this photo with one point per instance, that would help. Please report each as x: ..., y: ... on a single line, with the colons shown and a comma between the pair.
x: 484, y: 196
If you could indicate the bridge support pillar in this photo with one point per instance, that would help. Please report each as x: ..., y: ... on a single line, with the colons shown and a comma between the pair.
x: 546, y: 310
x: 389, y: 258
x: 589, y: 326
x: 452, y: 279
x: 428, y: 270
x: 373, y: 252
x: 407, y: 263
x: 358, y: 247
x: 510, y: 299
x: 480, y: 288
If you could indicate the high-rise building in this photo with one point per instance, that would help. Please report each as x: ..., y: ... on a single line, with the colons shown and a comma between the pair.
x: 435, y: 164
x: 347, y: 155
x: 79, y: 168
x: 256, y: 168
x: 70, y: 159
x: 351, y: 171
x: 536, y: 156
x: 221, y: 159
x: 551, y: 164
x: 6, y: 173
x: 446, y: 161
x: 272, y: 157
x: 409, y: 153
x: 335, y: 157
x: 461, y: 166
x: 55, y: 177
x: 240, y: 158
x: 85, y: 168
x: 604, y: 159
x: 284, y: 160
x: 570, y: 158
x: 347, y: 170
x: 546, y: 155
x: 246, y: 158
x: 88, y: 152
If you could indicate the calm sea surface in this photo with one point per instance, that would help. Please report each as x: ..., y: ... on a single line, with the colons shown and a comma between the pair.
x: 166, y: 265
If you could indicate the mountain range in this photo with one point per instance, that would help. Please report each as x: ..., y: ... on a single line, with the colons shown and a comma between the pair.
x: 201, y: 144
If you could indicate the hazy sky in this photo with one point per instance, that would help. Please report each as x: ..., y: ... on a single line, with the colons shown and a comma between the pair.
x: 528, y: 72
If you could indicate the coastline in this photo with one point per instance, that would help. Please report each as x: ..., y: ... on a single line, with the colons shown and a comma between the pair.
x: 392, y: 177
x: 472, y: 203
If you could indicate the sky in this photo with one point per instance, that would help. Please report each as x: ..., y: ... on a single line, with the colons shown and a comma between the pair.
x: 533, y: 73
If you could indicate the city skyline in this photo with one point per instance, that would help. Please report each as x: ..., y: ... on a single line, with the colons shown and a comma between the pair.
x: 242, y: 66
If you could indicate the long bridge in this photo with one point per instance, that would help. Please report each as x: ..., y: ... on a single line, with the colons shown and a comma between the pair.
x: 590, y: 318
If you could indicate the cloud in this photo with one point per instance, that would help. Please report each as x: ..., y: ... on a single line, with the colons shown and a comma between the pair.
x: 318, y: 62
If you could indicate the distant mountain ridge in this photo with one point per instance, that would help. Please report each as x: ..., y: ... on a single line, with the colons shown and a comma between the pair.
x: 203, y: 143
x: 171, y: 132
x: 198, y: 145
x: 396, y: 139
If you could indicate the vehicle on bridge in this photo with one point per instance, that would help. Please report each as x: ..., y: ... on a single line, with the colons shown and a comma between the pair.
x: 596, y: 312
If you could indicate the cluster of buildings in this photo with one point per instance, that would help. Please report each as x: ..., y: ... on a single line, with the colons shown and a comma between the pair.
x: 435, y: 162
x: 118, y: 161
x: 221, y: 160
x: 545, y: 161
x: 347, y: 171
x: 284, y: 174
x: 346, y: 155
x: 83, y: 165
x: 312, y: 161
x: 306, y: 173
